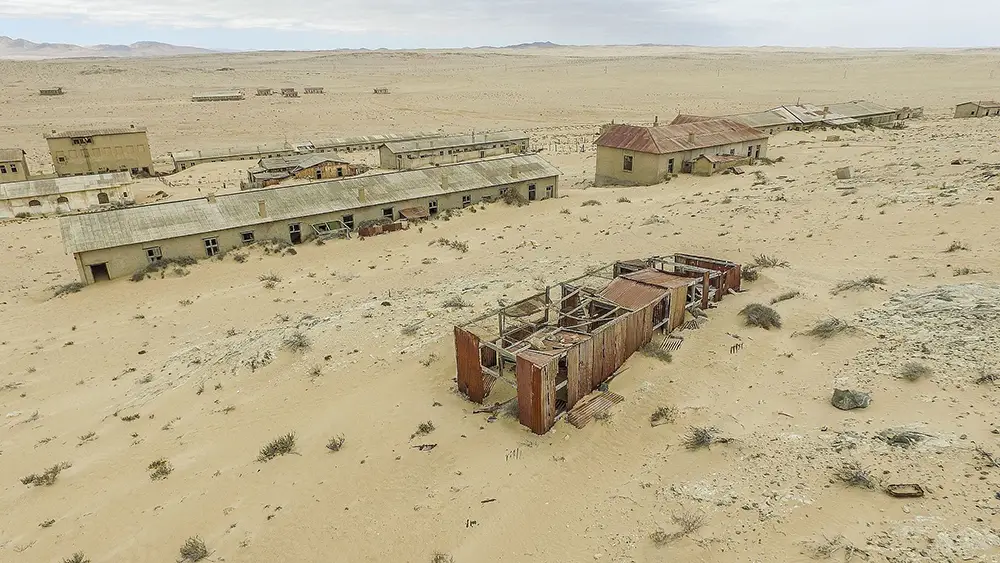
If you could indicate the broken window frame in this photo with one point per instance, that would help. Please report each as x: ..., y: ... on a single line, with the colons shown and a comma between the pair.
x: 153, y: 254
x: 211, y: 246
x: 247, y: 237
x: 628, y: 163
x: 466, y: 200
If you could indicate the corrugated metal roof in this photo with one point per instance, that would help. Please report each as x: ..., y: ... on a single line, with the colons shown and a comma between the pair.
x: 298, y: 161
x: 631, y: 294
x: 688, y: 118
x: 677, y: 138
x: 776, y: 117
x: 95, y: 132
x: 661, y: 279
x: 283, y: 146
x: 165, y: 220
x: 69, y: 184
x: 335, y: 142
x: 11, y: 155
x: 859, y: 108
x: 455, y: 141
x: 983, y: 104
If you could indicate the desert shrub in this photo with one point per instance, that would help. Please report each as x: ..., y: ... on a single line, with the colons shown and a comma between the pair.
x: 955, y: 246
x: 67, y: 288
x: 279, y: 446
x: 785, y: 297
x: 828, y: 328
x: 750, y: 274
x: 77, y: 557
x: 699, y: 437
x: 765, y: 261
x: 624, y: 199
x: 440, y: 557
x: 455, y: 302
x: 48, y: 477
x: 458, y: 245
x: 423, y: 429
x: 985, y: 376
x: 193, y: 550
x: 761, y: 316
x: 239, y: 257
x: 131, y: 417
x: 687, y: 523
x: 651, y: 350
x: 335, y: 443
x: 913, y: 371
x: 853, y: 474
x: 663, y: 414
x: 160, y: 469
x: 590, y: 203
x: 163, y: 264
x: 564, y: 211
x: 297, y: 341
x: 867, y: 282
x: 270, y: 277
x: 513, y: 196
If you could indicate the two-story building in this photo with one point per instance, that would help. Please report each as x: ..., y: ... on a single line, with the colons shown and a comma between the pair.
x: 96, y: 151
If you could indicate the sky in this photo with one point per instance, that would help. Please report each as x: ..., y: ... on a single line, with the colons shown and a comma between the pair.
x: 405, y: 24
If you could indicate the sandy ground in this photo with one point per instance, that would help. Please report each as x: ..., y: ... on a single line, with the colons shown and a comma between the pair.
x: 200, y: 355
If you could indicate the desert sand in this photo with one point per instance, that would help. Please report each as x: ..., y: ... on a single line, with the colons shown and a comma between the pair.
x: 199, y: 356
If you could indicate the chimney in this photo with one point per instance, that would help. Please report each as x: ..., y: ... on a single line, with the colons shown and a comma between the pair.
x: 361, y: 195
x: 444, y: 181
x: 513, y: 171
x: 691, y: 137
x: 826, y: 110
x: 656, y: 120
x: 210, y: 198
x: 261, y: 209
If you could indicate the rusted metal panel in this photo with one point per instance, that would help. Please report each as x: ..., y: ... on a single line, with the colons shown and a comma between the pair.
x: 632, y: 294
x: 650, y: 276
x: 470, y: 371
x: 678, y: 301
x: 529, y: 395
x: 370, y: 231
x: 731, y: 270
x: 586, y: 376
x: 683, y: 137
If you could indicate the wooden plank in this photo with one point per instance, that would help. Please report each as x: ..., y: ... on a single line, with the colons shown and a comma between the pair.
x: 574, y: 390
x: 528, y: 395
x: 548, y: 393
x: 586, y: 354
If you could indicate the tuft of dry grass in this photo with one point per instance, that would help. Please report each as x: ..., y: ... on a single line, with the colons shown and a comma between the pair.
x: 651, y: 350
x: 785, y: 297
x: 270, y: 277
x: 335, y: 443
x: 865, y: 283
x: 423, y: 429
x: 750, y: 274
x: 687, y: 523
x: 761, y: 316
x: 77, y: 557
x: 663, y: 415
x: 193, y: 549
x: 987, y: 377
x: 456, y: 244
x: 853, y: 474
x: 764, y: 261
x: 279, y: 446
x: 828, y: 329
x: 912, y: 371
x: 440, y: 557
x: 455, y: 302
x: 48, y: 477
x: 624, y: 199
x: 160, y: 469
x: 512, y: 196
x: 297, y: 341
x: 68, y: 288
x: 590, y: 203
x: 956, y: 246
x: 699, y: 437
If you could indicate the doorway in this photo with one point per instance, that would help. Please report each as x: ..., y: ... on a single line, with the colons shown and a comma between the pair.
x: 99, y: 272
x: 295, y: 233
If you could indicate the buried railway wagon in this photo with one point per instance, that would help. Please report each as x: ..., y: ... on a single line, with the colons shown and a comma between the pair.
x: 557, y: 347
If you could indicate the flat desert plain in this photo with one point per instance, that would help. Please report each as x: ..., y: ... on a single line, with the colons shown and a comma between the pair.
x: 193, y: 368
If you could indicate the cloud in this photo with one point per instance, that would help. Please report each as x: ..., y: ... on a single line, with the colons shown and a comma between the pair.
x: 479, y: 22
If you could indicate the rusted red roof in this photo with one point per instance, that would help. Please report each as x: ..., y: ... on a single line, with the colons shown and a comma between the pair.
x: 631, y: 294
x: 650, y: 276
x: 678, y: 138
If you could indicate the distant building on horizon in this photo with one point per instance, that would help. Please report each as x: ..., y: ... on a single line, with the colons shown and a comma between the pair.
x: 978, y: 109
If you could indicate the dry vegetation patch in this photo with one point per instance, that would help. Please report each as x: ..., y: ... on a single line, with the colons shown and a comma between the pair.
x: 828, y: 328
x: 48, y: 477
x: 193, y: 549
x: 762, y: 316
x: 279, y: 446
x: 865, y: 283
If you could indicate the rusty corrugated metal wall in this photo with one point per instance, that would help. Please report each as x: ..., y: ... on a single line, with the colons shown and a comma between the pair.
x: 731, y: 273
x: 470, y: 371
x: 529, y: 395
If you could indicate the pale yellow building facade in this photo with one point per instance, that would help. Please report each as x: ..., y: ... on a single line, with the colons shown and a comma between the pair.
x: 13, y: 166
x: 97, y: 151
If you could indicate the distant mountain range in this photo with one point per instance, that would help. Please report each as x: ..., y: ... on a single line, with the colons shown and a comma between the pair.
x: 11, y: 48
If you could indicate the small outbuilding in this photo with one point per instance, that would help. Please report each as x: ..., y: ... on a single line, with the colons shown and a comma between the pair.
x: 315, y: 166
x: 222, y: 96
x: 417, y: 153
x: 289, y: 92
x: 264, y: 91
x: 978, y: 109
x: 51, y: 91
x: 707, y: 165
x: 312, y: 90
x: 13, y: 165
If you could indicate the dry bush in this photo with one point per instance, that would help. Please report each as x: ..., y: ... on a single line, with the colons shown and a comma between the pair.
x: 564, y: 211
x: 458, y: 245
x: 624, y: 199
x: 185, y: 302
x: 589, y: 203
x: 239, y: 257
x: 513, y: 196
x: 761, y: 316
x: 297, y: 341
x: 687, y: 523
x: 455, y: 302
x: 163, y: 265
x: 270, y: 277
x: 47, y: 523
x: 913, y: 371
x: 77, y: 557
x: 867, y: 282
x: 193, y: 550
x: 956, y: 246
x: 335, y: 443
x: 699, y: 437
x: 853, y: 474
x: 664, y: 415
x: 439, y: 557
x: 750, y: 274
x: 279, y: 446
x: 67, y: 288
x: 987, y: 377
x: 423, y: 429
x: 660, y: 537
x: 651, y: 350
x: 160, y: 469
x: 88, y: 437
x: 968, y: 271
x: 764, y: 261
x: 48, y: 477
x: 429, y: 360
x: 785, y: 297
x: 130, y: 417
x: 829, y: 328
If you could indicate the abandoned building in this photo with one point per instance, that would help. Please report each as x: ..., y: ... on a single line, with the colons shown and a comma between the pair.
x: 65, y: 195
x: 264, y: 91
x: 221, y: 96
x: 96, y: 151
x: 289, y: 92
x: 559, y: 347
x: 13, y: 165
x: 116, y: 243
x: 416, y: 153
x: 186, y: 159
x: 802, y: 116
x: 312, y: 90
x: 631, y: 155
x: 978, y: 109
x: 52, y: 91
x: 382, y: 90
x: 271, y: 171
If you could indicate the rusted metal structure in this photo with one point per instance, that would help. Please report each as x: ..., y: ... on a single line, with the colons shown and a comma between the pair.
x: 558, y: 346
